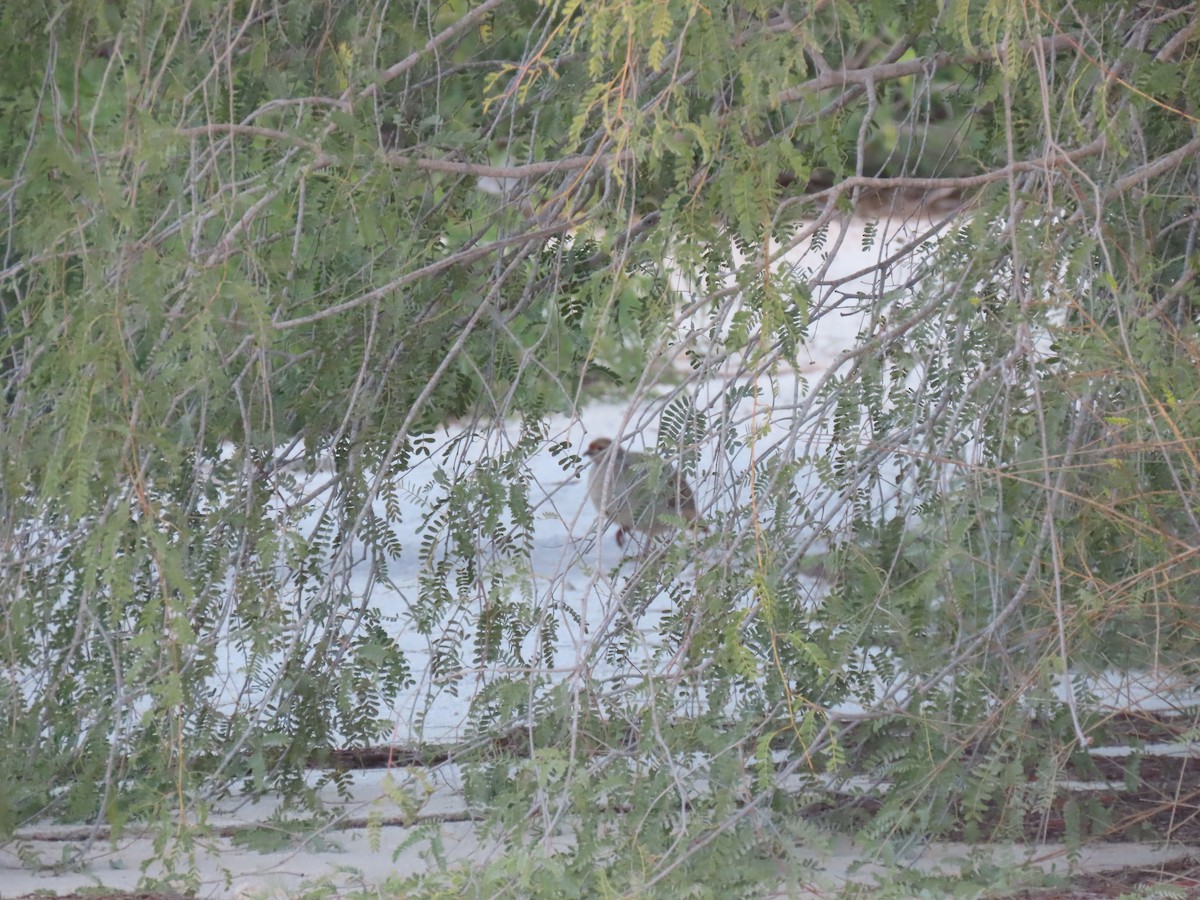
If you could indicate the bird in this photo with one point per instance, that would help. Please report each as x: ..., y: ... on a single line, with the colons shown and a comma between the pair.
x: 640, y: 491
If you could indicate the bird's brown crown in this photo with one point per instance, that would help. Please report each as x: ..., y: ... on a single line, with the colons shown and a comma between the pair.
x: 596, y: 447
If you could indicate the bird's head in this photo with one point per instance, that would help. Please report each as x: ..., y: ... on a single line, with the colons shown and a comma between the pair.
x: 597, y: 448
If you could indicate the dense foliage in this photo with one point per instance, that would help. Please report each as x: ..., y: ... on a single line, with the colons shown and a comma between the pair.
x: 253, y: 256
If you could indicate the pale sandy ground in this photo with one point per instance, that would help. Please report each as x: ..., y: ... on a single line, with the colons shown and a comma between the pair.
x: 357, y: 856
x: 569, y: 564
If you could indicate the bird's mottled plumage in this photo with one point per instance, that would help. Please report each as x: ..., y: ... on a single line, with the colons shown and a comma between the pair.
x: 638, y: 491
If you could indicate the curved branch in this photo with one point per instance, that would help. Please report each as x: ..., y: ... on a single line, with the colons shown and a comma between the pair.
x: 434, y: 42
x: 460, y: 258
x: 1157, y: 167
x: 527, y: 170
x: 889, y: 71
x: 1046, y: 163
